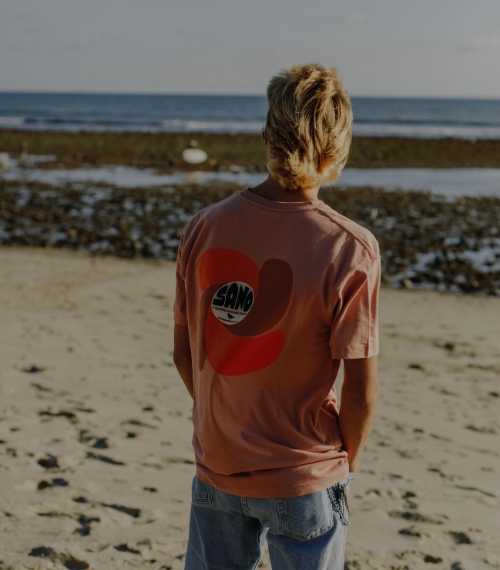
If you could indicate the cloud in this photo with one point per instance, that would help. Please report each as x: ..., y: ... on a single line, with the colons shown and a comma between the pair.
x: 481, y: 43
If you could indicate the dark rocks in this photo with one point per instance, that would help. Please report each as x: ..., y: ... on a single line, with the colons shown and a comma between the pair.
x: 425, y: 241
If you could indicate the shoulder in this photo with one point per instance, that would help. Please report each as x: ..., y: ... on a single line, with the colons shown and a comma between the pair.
x: 355, y: 236
x: 208, y: 214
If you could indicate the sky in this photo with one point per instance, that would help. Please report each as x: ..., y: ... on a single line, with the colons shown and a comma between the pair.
x: 424, y: 48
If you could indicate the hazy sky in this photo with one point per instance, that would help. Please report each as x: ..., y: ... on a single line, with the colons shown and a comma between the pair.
x: 386, y: 47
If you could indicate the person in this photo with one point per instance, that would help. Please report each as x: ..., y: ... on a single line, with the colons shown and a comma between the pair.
x: 274, y: 290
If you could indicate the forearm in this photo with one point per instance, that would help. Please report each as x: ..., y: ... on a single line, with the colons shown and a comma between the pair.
x: 185, y: 370
x: 355, y: 421
x: 357, y: 407
x: 182, y: 356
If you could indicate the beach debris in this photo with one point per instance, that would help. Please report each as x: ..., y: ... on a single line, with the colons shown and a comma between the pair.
x: 104, y: 458
x: 150, y: 489
x: 61, y: 414
x: 85, y: 522
x: 54, y: 483
x: 66, y: 559
x: 43, y: 552
x: 80, y: 500
x: 40, y: 387
x: 139, y: 423
x: 74, y: 564
x: 49, y: 462
x: 194, y: 155
x: 33, y: 369
x: 460, y: 537
x: 481, y: 429
x: 414, y: 517
x: 428, y: 559
x: 126, y: 548
x: 131, y: 512
x: 409, y: 532
x: 101, y: 443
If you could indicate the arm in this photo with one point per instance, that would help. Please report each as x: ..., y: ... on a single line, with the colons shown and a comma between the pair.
x: 182, y: 356
x: 357, y: 405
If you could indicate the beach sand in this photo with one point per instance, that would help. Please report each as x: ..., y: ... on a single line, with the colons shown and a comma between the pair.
x: 95, y: 425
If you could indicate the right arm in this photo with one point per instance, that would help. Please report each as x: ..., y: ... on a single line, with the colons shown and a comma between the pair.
x: 357, y: 405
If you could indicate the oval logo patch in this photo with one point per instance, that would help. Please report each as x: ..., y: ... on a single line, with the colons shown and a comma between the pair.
x: 232, y: 302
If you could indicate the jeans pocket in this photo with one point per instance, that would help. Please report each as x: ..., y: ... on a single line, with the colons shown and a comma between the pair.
x: 201, y: 491
x: 307, y: 516
x: 338, y: 495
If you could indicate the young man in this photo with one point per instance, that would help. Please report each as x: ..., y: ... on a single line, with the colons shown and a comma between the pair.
x: 274, y: 289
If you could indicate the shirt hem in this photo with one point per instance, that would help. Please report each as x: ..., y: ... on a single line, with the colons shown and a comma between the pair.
x: 281, y: 492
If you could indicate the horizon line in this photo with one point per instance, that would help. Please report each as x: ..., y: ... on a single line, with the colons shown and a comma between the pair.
x: 180, y: 94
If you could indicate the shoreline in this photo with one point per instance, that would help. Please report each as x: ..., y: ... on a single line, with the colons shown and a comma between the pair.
x: 164, y: 150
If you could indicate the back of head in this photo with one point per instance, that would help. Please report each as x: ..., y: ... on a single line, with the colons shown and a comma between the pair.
x: 308, y: 126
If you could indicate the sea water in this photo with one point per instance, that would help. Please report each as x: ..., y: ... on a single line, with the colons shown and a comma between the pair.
x: 373, y: 116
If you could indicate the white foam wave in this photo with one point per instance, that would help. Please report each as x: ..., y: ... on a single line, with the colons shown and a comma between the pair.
x: 425, y: 131
x: 179, y: 125
x: 11, y: 121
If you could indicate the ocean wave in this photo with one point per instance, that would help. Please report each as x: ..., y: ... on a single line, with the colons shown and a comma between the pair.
x: 424, y: 131
x: 179, y: 125
x: 11, y: 121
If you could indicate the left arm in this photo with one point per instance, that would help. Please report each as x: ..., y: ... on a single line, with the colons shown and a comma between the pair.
x: 182, y: 356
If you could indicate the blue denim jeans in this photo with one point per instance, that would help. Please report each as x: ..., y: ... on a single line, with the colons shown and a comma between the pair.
x: 228, y: 532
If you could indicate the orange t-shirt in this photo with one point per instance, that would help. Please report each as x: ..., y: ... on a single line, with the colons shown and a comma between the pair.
x: 274, y: 294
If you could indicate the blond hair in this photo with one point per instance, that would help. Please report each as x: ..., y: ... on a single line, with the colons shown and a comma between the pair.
x: 308, y: 126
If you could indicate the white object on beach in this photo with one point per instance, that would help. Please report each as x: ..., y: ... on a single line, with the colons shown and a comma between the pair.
x: 194, y: 155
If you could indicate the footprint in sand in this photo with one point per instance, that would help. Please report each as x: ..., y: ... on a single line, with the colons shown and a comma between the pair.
x: 49, y: 462
x: 54, y: 483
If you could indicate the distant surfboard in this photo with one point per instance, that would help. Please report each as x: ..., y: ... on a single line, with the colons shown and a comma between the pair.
x: 194, y: 155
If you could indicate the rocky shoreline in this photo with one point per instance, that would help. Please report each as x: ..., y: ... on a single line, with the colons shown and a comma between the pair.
x: 426, y: 241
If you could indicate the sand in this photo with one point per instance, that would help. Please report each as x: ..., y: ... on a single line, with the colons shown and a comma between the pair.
x: 95, y: 424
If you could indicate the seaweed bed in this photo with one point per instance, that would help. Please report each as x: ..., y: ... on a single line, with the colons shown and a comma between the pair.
x: 426, y: 241
x: 164, y: 150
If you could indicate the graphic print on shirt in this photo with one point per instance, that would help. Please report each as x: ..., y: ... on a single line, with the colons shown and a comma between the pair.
x: 232, y: 302
x: 241, y: 304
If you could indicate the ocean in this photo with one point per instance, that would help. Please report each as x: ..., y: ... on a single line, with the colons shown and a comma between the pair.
x: 373, y: 116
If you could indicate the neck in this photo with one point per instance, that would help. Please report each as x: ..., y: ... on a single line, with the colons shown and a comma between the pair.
x: 271, y: 190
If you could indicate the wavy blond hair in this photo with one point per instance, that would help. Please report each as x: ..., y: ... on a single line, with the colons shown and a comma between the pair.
x: 308, y: 126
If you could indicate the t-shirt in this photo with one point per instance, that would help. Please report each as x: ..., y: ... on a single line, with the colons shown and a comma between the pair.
x: 274, y: 294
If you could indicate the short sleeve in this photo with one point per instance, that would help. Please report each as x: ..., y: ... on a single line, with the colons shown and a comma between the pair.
x: 180, y: 313
x: 354, y: 331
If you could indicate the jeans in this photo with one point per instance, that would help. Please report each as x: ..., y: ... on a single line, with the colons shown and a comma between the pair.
x: 228, y: 532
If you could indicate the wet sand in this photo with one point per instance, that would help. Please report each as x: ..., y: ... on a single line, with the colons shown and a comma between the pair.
x: 95, y: 425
